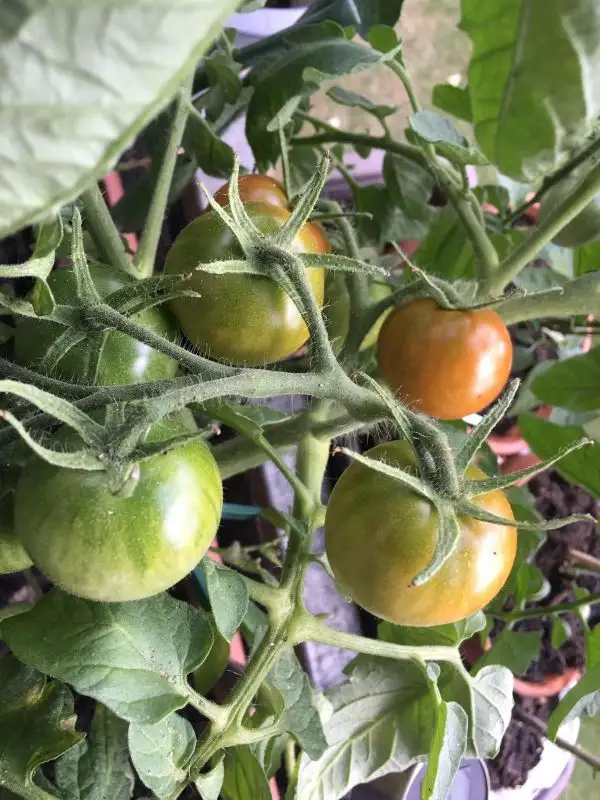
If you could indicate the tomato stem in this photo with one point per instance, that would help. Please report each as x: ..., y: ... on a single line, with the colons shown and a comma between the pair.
x: 104, y: 232
x: 146, y: 255
x: 567, y: 210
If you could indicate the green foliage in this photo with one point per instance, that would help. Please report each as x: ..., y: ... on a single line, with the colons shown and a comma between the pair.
x: 69, y: 108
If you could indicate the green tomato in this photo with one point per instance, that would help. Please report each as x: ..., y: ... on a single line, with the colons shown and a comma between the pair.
x: 123, y: 361
x: 13, y: 557
x: 241, y: 319
x: 582, y: 229
x: 212, y: 668
x: 111, y: 547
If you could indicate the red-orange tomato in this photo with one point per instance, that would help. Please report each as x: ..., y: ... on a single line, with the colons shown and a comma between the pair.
x: 444, y: 363
x: 256, y: 189
x: 266, y: 190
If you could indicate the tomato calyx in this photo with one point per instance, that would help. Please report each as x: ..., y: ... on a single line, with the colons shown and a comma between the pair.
x: 439, y: 475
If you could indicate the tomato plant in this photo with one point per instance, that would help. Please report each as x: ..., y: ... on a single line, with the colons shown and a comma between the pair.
x: 111, y: 547
x: 240, y: 319
x: 108, y: 652
x: 379, y: 536
x: 444, y: 363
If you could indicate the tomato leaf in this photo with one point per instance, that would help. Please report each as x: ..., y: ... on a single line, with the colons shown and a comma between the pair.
x: 362, y: 14
x: 344, y: 97
x: 161, y: 752
x: 573, y: 383
x: 545, y: 438
x: 453, y: 100
x: 431, y: 127
x: 530, y: 79
x: 98, y: 767
x: 410, y: 186
x: 228, y: 597
x: 513, y: 650
x: 130, y: 656
x: 446, y: 251
x: 372, y: 731
x: 493, y: 701
x: 584, y: 697
x: 447, y: 750
x: 209, y: 783
x: 244, y: 777
x: 213, y: 155
x: 113, y: 90
x: 37, y: 724
x: 299, y: 71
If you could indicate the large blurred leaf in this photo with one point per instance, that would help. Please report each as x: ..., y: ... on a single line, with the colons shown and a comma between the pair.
x: 133, y: 657
x: 79, y: 80
x: 545, y: 439
x: 532, y: 78
x: 573, y: 383
x: 244, y: 777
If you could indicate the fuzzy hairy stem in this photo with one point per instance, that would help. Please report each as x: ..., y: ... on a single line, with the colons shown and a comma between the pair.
x: 104, y: 232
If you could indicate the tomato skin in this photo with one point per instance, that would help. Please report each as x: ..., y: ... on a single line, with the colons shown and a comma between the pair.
x: 214, y: 665
x: 447, y: 364
x: 240, y: 319
x: 582, y: 229
x: 379, y: 535
x: 256, y: 189
x: 123, y: 361
x: 13, y: 557
x: 111, y: 548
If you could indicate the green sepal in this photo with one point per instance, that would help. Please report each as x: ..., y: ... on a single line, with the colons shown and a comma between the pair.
x: 304, y: 205
x: 405, y: 478
x: 476, y: 488
x: 448, y: 536
x: 482, y: 430
x: 471, y: 510
x: 86, y: 292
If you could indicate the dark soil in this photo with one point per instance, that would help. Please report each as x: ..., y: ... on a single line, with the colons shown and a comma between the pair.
x: 522, y: 746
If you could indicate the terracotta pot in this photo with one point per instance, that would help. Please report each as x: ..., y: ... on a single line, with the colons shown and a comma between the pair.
x: 552, y: 684
x: 511, y: 442
x: 514, y: 463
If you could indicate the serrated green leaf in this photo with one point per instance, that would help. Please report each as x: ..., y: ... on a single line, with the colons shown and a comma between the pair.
x: 493, y: 702
x: 112, y: 90
x: 97, y: 768
x: 213, y: 155
x: 244, y: 777
x: 161, y: 752
x: 133, y: 657
x: 531, y: 79
x: 361, y: 14
x: 561, y: 632
x: 37, y: 724
x: 228, y: 597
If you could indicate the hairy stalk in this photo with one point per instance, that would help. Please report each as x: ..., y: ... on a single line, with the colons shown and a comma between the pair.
x: 579, y: 296
x: 546, y: 611
x: 146, y: 255
x: 104, y: 232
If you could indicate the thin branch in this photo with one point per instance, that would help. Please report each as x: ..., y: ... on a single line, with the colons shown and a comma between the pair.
x: 103, y: 230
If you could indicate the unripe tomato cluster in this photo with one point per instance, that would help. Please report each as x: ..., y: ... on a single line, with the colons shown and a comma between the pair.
x: 109, y: 546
